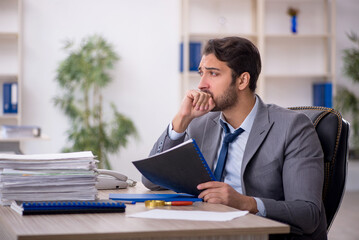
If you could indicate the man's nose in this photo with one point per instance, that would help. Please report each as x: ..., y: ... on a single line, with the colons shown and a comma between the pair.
x: 203, y: 84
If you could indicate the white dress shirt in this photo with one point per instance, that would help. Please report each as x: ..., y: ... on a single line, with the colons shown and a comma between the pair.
x: 235, y: 151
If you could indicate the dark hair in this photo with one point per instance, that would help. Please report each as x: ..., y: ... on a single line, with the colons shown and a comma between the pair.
x: 240, y: 55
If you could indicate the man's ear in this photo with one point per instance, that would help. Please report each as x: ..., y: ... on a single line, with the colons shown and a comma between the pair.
x: 243, y: 81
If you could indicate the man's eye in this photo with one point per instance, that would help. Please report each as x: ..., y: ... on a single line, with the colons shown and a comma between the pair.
x: 200, y: 73
x: 214, y: 74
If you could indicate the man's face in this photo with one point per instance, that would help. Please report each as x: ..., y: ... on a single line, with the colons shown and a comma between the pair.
x: 216, y: 79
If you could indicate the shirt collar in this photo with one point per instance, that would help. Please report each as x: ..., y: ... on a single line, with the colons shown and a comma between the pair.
x: 248, y: 122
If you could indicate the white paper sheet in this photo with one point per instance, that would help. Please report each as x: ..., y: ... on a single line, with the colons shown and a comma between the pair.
x: 189, y: 215
x: 52, y: 156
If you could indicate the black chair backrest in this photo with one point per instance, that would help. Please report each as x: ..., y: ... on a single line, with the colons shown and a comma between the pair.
x: 333, y: 132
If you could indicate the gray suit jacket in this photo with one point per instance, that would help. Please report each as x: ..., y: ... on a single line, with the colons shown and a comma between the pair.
x: 282, y: 165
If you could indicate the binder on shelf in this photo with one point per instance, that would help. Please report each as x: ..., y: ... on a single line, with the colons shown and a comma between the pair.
x: 157, y: 196
x: 180, y: 168
x: 16, y: 131
x: 10, y: 98
x: 317, y: 95
x: 322, y: 95
x: 328, y: 98
x: 194, y: 56
x: 59, y: 207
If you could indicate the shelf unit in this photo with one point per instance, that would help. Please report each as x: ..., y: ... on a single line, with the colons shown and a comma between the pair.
x: 10, y: 63
x: 10, y: 54
x: 291, y: 63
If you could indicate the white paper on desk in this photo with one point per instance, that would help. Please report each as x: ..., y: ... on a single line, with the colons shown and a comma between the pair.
x: 52, y: 156
x: 189, y: 215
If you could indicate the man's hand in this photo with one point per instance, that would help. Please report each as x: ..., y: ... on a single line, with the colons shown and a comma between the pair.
x: 222, y: 193
x: 195, y: 104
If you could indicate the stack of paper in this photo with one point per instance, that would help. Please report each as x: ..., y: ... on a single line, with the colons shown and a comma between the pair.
x: 47, y: 177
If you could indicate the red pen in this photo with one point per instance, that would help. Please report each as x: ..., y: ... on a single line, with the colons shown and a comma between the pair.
x: 158, y: 203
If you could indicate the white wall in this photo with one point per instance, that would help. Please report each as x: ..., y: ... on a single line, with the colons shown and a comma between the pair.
x: 145, y: 88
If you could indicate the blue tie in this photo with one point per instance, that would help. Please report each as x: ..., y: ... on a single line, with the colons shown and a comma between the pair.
x: 228, y: 138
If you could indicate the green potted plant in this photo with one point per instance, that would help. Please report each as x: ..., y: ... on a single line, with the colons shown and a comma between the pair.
x: 82, y: 76
x: 346, y: 100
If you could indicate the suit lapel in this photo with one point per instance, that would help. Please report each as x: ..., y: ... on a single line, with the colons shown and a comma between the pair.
x: 260, y: 129
x: 211, y: 139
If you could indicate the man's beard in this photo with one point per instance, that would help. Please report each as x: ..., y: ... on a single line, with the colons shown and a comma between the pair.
x: 225, y: 101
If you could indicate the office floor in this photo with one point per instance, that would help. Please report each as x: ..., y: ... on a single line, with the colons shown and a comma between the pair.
x: 345, y: 225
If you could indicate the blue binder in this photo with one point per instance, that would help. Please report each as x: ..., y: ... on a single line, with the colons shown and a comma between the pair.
x: 322, y: 95
x: 179, y: 169
x: 10, y: 100
x: 328, y: 98
x: 58, y: 207
x: 144, y: 197
x: 194, y: 56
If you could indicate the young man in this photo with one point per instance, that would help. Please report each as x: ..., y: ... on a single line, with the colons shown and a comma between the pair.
x: 267, y: 159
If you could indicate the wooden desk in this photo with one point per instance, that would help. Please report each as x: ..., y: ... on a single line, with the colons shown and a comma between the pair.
x: 118, y: 226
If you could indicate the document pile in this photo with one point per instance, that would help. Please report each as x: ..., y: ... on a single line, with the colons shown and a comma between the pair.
x: 47, y: 177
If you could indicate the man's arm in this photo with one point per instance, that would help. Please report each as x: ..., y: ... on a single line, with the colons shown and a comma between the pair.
x: 194, y: 105
x: 223, y: 193
x: 303, y: 177
x: 163, y: 143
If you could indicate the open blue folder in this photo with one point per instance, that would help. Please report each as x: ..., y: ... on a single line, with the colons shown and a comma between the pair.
x: 179, y: 169
x: 145, y: 197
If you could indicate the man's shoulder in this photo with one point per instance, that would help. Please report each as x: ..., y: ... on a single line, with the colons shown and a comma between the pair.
x: 277, y: 112
x: 285, y: 114
x: 275, y: 109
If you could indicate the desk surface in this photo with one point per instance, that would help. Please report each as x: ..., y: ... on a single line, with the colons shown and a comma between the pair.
x: 118, y: 226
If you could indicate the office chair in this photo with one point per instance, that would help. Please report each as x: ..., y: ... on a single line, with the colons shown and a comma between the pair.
x: 333, y: 132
